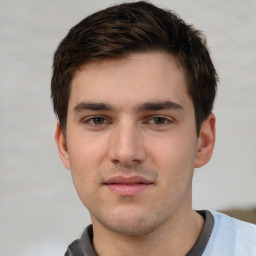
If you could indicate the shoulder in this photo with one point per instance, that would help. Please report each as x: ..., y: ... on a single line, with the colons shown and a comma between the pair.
x: 83, y: 246
x: 74, y: 249
x: 233, y: 236
x: 245, y: 229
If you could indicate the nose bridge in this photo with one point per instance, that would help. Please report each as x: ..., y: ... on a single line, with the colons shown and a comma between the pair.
x: 126, y: 143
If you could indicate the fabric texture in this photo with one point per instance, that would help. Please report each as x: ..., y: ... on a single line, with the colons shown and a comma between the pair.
x: 221, y: 236
x: 231, y: 237
x: 205, y: 234
x: 74, y: 249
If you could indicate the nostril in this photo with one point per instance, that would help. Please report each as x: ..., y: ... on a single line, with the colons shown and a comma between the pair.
x: 115, y: 161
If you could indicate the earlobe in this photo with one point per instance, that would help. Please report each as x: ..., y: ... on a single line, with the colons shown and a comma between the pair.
x: 206, y: 141
x: 62, y: 146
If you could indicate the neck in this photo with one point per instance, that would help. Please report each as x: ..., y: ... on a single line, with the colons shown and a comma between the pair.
x: 176, y: 237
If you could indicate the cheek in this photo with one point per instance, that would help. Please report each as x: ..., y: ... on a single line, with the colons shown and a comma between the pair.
x: 175, y: 163
x: 84, y: 174
x: 174, y: 153
x: 86, y: 156
x: 174, y: 160
x: 86, y: 151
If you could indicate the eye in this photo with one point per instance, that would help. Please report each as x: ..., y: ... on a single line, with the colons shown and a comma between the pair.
x: 98, y: 120
x: 159, y: 120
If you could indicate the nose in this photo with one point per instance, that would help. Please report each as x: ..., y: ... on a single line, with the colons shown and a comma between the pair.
x: 126, y: 147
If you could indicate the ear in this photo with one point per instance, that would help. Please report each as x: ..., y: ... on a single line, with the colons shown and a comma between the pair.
x: 206, y: 142
x: 62, y: 146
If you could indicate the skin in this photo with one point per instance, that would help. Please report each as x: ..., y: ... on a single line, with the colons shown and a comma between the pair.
x: 133, y: 117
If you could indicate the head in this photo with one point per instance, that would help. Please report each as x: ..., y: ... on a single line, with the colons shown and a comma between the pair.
x: 133, y: 87
x: 139, y: 27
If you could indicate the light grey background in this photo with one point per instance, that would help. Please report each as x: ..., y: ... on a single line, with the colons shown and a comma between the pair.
x: 40, y: 211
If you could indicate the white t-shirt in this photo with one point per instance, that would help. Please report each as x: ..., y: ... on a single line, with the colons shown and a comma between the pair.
x: 221, y: 236
x: 231, y: 237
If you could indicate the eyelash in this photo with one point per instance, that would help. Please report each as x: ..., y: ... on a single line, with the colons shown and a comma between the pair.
x: 165, y: 120
x: 151, y: 120
x: 89, y: 120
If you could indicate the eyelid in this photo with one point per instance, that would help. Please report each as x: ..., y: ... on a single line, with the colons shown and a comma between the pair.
x: 167, y: 118
x: 88, y: 119
x: 107, y: 120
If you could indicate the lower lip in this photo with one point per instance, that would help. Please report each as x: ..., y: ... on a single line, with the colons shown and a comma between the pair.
x: 127, y: 190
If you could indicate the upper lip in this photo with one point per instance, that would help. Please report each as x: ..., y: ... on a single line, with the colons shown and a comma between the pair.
x: 127, y: 180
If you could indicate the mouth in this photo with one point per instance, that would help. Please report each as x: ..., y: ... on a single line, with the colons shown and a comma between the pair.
x: 127, y: 186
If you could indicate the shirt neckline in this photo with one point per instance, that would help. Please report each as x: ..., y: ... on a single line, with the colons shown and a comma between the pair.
x: 197, y: 249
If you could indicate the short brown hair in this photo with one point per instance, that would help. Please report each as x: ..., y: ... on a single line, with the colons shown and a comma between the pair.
x: 129, y: 28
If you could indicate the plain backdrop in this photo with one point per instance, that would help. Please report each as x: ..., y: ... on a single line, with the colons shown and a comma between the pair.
x: 39, y: 209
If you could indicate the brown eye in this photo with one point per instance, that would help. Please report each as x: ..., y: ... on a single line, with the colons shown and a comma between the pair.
x: 98, y: 120
x: 159, y: 120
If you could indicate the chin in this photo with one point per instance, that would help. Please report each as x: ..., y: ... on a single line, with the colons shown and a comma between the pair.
x: 133, y: 229
x: 131, y: 225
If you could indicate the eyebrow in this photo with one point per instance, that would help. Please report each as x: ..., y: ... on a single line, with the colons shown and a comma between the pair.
x: 92, y: 106
x: 147, y: 106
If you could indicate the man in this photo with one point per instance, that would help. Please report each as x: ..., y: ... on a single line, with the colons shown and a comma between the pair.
x: 133, y: 87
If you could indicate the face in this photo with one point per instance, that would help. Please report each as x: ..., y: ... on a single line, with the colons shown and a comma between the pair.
x: 131, y: 142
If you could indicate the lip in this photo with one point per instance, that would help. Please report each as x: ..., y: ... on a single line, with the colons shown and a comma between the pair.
x: 127, y: 186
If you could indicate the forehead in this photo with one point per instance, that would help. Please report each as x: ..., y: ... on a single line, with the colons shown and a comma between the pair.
x: 136, y: 78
